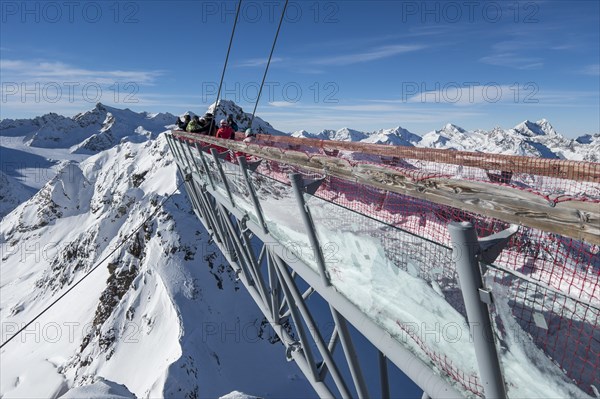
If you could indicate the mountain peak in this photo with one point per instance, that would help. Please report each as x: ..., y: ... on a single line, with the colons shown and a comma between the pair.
x: 532, y: 129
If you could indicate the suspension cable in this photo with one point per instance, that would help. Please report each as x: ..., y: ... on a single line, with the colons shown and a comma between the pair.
x: 237, y: 13
x: 268, y: 63
x: 93, y: 268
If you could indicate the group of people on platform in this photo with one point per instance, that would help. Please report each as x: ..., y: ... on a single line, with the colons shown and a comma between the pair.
x: 206, y: 125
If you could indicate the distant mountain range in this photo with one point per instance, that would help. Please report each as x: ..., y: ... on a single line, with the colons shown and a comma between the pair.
x: 537, y: 139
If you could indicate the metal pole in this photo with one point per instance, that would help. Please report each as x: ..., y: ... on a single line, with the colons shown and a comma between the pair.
x: 298, y: 185
x: 222, y: 174
x: 290, y: 288
x: 205, y: 164
x: 383, y: 375
x: 296, y: 317
x: 351, y: 357
x: 466, y: 248
x: 244, y: 167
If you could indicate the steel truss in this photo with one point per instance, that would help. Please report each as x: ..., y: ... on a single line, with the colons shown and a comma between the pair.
x: 277, y: 280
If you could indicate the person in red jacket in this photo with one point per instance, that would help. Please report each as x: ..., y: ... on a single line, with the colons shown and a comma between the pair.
x: 225, y: 131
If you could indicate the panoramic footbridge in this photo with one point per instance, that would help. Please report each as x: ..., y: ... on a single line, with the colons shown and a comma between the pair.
x: 477, y: 275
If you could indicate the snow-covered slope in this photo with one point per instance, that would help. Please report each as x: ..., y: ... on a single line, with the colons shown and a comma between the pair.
x: 99, y: 389
x: 163, y: 316
x: 12, y: 193
x: 589, y: 150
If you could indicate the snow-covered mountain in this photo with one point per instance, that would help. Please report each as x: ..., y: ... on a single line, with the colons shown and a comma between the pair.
x: 12, y: 193
x: 538, y: 139
x: 395, y: 136
x: 227, y: 107
x: 164, y: 316
x: 88, y: 132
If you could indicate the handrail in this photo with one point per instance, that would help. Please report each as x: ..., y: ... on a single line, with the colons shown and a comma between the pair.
x: 559, y: 168
x: 579, y: 220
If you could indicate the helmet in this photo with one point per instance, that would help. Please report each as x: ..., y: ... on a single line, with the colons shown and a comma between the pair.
x: 223, y: 122
x: 208, y: 115
x: 249, y: 132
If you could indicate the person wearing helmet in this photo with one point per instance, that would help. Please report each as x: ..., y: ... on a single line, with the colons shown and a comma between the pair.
x: 182, y: 125
x: 194, y: 126
x: 207, y: 125
x: 225, y: 131
x: 250, y: 136
x: 232, y: 123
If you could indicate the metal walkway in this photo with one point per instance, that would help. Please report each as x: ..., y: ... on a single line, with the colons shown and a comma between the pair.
x: 398, y: 288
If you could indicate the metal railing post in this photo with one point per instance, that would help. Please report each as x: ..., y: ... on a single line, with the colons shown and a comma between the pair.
x: 205, y: 165
x: 222, y: 174
x: 384, y: 382
x: 466, y: 249
x: 257, y: 208
x: 298, y: 186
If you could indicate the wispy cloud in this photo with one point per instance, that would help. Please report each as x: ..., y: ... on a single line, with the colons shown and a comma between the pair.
x: 280, y: 104
x: 513, y: 60
x: 52, y: 71
x: 257, y: 62
x: 370, y: 55
x: 33, y: 87
x: 592, y: 70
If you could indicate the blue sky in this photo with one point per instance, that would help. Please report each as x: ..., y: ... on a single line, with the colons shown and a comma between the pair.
x: 360, y: 64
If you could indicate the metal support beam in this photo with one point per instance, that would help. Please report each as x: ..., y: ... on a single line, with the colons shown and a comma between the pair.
x: 183, y: 155
x: 257, y: 208
x: 215, y: 155
x: 290, y: 344
x: 237, y: 247
x: 384, y: 382
x: 275, y: 290
x: 298, y: 186
x: 205, y: 164
x: 297, y: 321
x: 350, y: 353
x: 253, y: 265
x: 466, y: 249
x: 335, y: 374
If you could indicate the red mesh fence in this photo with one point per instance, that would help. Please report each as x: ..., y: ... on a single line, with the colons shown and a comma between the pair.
x: 549, y: 283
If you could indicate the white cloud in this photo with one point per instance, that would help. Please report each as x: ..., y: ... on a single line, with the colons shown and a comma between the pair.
x: 370, y: 55
x: 256, y: 62
x: 513, y: 60
x: 55, y: 71
x: 280, y: 104
x: 592, y: 70
x: 36, y: 87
